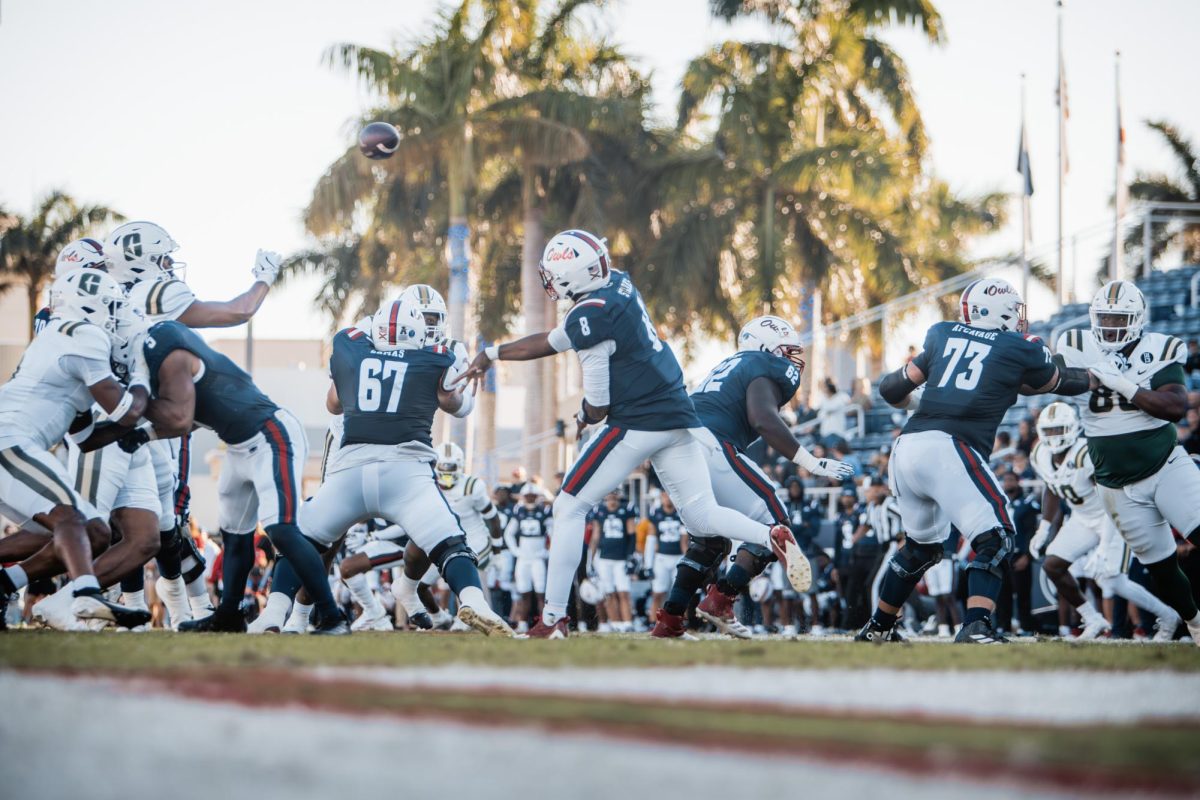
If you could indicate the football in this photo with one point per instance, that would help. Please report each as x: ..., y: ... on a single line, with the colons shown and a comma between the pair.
x: 379, y: 140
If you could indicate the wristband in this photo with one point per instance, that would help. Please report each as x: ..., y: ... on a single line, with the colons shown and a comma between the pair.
x: 492, y: 351
x: 804, y: 459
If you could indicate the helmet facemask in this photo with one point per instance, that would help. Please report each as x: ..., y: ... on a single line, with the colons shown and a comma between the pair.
x: 1115, y: 329
x: 448, y: 473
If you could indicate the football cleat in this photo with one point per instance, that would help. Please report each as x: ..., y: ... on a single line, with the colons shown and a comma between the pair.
x: 1193, y: 626
x: 421, y: 621
x: 717, y: 608
x: 173, y: 593
x: 90, y: 604
x: 543, y: 631
x: 979, y: 632
x: 670, y: 626
x: 795, y: 563
x: 442, y: 620
x: 1164, y: 629
x: 337, y: 626
x: 366, y: 622
x: 485, y: 621
x: 217, y: 622
x: 877, y: 634
x: 262, y: 624
x: 55, y: 612
x: 1095, y: 629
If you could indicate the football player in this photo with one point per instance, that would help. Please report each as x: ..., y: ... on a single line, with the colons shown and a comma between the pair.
x: 737, y: 403
x: 665, y: 545
x: 972, y: 372
x: 612, y: 542
x: 387, y: 387
x: 526, y: 536
x: 1061, y: 460
x: 471, y: 500
x: 633, y: 384
x: 79, y: 254
x: 1146, y: 480
x: 260, y: 481
x: 62, y: 372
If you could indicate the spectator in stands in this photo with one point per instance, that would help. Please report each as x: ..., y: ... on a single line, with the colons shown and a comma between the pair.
x: 1002, y: 450
x: 880, y: 462
x: 1017, y: 590
x: 1026, y: 436
x: 832, y: 411
x: 803, y: 519
x: 1189, y: 431
x: 846, y: 522
x: 1021, y: 466
x: 866, y: 555
x: 1191, y: 367
x: 842, y: 452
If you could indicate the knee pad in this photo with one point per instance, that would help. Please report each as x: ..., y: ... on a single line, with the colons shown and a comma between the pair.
x: 704, y: 553
x: 992, y: 549
x: 761, y: 556
x: 914, y: 559
x: 449, y: 549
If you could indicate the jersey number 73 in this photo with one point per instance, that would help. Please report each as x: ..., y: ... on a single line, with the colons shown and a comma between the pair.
x: 974, y: 353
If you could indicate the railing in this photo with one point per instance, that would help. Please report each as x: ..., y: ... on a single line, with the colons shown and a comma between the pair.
x: 1066, y: 326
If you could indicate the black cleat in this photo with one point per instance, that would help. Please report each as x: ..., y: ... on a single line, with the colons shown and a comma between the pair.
x: 338, y: 626
x: 980, y: 632
x: 875, y: 633
x: 421, y: 621
x: 90, y: 604
x: 217, y: 622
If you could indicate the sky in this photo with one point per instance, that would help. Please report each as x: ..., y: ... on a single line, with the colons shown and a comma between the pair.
x: 215, y: 119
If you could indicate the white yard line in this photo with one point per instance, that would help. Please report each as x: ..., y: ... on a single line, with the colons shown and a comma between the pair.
x: 102, y: 739
x: 1044, y: 698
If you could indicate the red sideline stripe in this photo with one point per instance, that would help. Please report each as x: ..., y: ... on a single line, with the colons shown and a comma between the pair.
x: 756, y: 481
x: 577, y: 476
x: 988, y: 487
x: 285, y: 468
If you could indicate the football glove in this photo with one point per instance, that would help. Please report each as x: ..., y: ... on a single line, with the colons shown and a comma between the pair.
x: 133, y: 440
x: 266, y: 266
x: 1113, y: 379
x: 822, y: 467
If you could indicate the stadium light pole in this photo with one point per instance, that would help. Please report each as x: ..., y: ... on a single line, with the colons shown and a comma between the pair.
x: 1061, y: 102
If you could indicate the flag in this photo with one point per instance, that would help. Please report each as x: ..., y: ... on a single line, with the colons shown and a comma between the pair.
x: 1023, y: 167
x: 1121, y: 197
x: 1064, y: 108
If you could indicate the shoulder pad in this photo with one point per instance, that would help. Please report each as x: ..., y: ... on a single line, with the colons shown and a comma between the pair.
x: 1029, y: 337
x: 591, y: 303
x: 351, y: 333
x: 1081, y: 453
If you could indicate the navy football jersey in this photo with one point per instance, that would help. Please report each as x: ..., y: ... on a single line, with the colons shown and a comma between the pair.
x: 40, y: 320
x: 972, y: 377
x: 670, y: 531
x: 388, y: 396
x: 530, y: 522
x: 227, y: 401
x: 720, y: 399
x: 646, y: 391
x: 615, y: 540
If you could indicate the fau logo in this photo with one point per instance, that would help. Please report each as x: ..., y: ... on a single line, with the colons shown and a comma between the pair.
x: 993, y: 290
x: 565, y: 254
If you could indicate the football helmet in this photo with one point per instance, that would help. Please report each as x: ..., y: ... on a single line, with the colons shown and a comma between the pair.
x: 993, y: 304
x: 79, y: 254
x: 87, y: 295
x: 1118, y: 313
x: 129, y: 323
x: 590, y: 592
x: 1058, y: 426
x: 574, y: 263
x: 398, y: 325
x: 772, y: 335
x: 139, y: 251
x: 433, y: 307
x: 530, y: 494
x: 449, y: 466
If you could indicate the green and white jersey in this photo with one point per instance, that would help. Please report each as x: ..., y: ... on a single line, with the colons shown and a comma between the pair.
x: 1126, y: 444
x: 1072, y: 479
x: 471, y: 501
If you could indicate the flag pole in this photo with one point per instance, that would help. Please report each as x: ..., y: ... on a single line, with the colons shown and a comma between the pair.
x: 1114, y: 262
x: 1061, y: 101
x: 1024, y: 202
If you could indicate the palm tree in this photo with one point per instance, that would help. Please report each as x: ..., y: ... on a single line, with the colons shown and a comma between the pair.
x: 30, y: 245
x: 1184, y: 187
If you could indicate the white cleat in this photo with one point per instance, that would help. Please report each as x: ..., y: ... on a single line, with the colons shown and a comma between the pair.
x: 1094, y: 629
x: 486, y: 621
x: 366, y: 622
x: 795, y: 563
x: 55, y: 612
x: 174, y: 596
x: 262, y: 625
x: 296, y: 624
x: 1164, y: 629
x: 1194, y: 629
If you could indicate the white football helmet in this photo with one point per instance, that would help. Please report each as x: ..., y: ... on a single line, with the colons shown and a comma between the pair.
x: 772, y: 335
x: 433, y: 307
x: 1118, y: 315
x: 530, y: 494
x: 994, y: 305
x: 79, y: 254
x: 129, y: 323
x: 1058, y: 426
x: 574, y: 263
x: 398, y: 325
x: 87, y: 295
x: 449, y: 467
x: 139, y: 251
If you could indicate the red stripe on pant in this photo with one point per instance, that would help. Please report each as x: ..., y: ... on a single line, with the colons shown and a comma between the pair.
x: 579, y: 476
x: 284, y: 455
x: 756, y: 482
x: 989, y: 488
x: 185, y: 471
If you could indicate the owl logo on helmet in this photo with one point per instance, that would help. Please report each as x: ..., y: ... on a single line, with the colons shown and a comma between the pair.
x: 1058, y: 427
x: 449, y: 466
x: 87, y: 295
x: 141, y: 251
x: 398, y: 325
x: 773, y: 335
x: 574, y: 263
x: 992, y: 304
x: 1118, y: 313
x: 80, y: 254
x: 433, y: 307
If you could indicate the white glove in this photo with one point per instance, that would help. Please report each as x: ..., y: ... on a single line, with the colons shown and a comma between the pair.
x: 822, y: 467
x: 266, y: 266
x: 1110, y: 377
x: 1038, y: 543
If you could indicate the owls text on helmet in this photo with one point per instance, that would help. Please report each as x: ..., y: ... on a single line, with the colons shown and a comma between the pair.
x: 993, y: 304
x: 1058, y: 427
x: 1118, y: 313
x: 398, y: 325
x: 772, y: 335
x: 433, y: 307
x: 449, y: 466
x: 574, y: 263
x: 79, y: 254
x: 140, y: 251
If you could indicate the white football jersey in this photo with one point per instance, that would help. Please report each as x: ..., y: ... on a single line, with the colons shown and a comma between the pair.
x: 1072, y: 480
x: 50, y: 385
x: 160, y: 300
x: 470, y: 500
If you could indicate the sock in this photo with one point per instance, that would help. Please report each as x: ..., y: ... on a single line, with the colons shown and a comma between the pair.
x: 1064, y: 630
x: 552, y: 613
x: 12, y: 578
x: 976, y: 614
x: 460, y: 573
x: 173, y: 593
x: 239, y: 559
x: 85, y: 584
x: 981, y: 583
x: 298, y: 619
x: 198, y: 597
x: 884, y: 619
x: 894, y: 588
x: 303, y: 557
x: 1173, y: 586
x: 1139, y: 596
x: 361, y: 591
x: 473, y: 596
x: 135, y: 599
x: 169, y: 565
x: 135, y: 581
x: 1089, y: 613
x: 405, y: 591
x: 687, y: 580
x: 275, y: 613
x: 734, y: 580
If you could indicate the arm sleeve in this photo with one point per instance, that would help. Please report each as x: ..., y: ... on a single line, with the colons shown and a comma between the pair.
x: 559, y: 339
x: 594, y: 363
x: 461, y: 362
